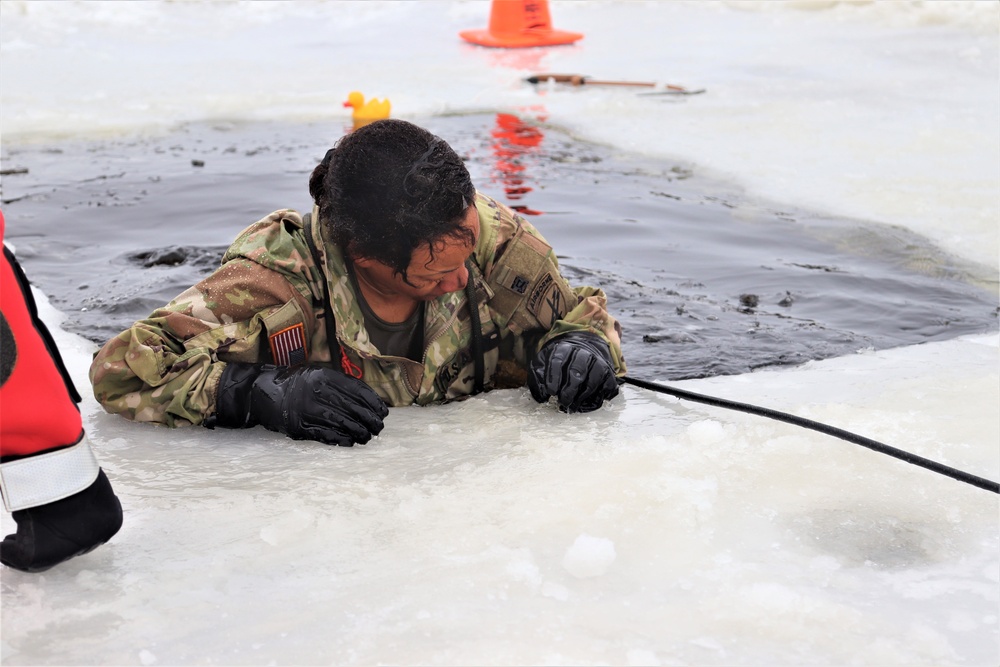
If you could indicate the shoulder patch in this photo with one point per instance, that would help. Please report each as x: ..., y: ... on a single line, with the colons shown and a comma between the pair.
x: 288, y: 346
x: 529, y: 292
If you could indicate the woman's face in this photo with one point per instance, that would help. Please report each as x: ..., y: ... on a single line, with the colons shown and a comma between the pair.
x: 429, y: 275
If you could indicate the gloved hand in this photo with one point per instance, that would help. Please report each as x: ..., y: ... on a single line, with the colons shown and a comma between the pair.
x: 49, y: 534
x: 577, y: 369
x: 303, y: 402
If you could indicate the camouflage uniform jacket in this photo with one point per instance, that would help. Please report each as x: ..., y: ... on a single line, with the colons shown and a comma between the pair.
x: 267, y: 303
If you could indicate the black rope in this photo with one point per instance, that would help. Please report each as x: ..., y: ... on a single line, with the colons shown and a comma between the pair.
x: 822, y: 428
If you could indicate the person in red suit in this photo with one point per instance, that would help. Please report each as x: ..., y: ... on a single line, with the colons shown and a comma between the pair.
x: 50, y: 480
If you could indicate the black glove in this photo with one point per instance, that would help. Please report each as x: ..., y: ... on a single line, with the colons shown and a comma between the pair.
x: 49, y: 534
x: 577, y: 369
x: 304, y: 403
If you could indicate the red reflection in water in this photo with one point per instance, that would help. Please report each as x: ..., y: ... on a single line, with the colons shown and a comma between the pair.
x: 513, y: 141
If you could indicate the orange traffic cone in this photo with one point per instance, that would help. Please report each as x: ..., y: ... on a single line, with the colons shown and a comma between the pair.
x: 519, y: 23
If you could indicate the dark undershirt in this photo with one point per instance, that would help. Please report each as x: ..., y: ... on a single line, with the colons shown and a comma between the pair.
x: 395, y: 339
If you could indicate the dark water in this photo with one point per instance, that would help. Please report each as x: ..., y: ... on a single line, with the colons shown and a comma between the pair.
x: 703, y: 281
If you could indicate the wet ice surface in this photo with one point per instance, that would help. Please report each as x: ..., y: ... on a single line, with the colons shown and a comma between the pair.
x: 499, y: 531
x: 703, y: 281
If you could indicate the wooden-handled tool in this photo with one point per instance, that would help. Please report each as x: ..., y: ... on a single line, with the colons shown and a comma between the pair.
x: 580, y: 80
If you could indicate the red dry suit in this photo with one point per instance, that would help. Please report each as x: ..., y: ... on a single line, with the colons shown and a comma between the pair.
x: 49, y: 477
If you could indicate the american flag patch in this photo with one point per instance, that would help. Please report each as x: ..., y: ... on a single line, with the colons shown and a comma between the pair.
x: 288, y: 346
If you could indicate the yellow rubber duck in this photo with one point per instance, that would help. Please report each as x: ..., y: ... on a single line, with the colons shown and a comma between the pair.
x: 367, y: 111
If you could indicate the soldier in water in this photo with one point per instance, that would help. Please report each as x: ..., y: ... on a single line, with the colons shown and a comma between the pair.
x: 402, y: 286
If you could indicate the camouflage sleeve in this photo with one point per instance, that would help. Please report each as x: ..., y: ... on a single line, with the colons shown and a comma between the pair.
x: 536, y: 301
x: 166, y: 368
x: 591, y: 314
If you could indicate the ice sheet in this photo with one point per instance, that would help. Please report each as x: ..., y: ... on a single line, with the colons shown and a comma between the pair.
x: 878, y: 110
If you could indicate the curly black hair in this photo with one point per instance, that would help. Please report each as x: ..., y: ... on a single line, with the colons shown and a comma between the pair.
x: 389, y: 187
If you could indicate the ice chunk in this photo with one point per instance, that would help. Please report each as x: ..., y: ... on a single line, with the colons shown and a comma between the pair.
x: 589, y: 556
x: 706, y: 432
